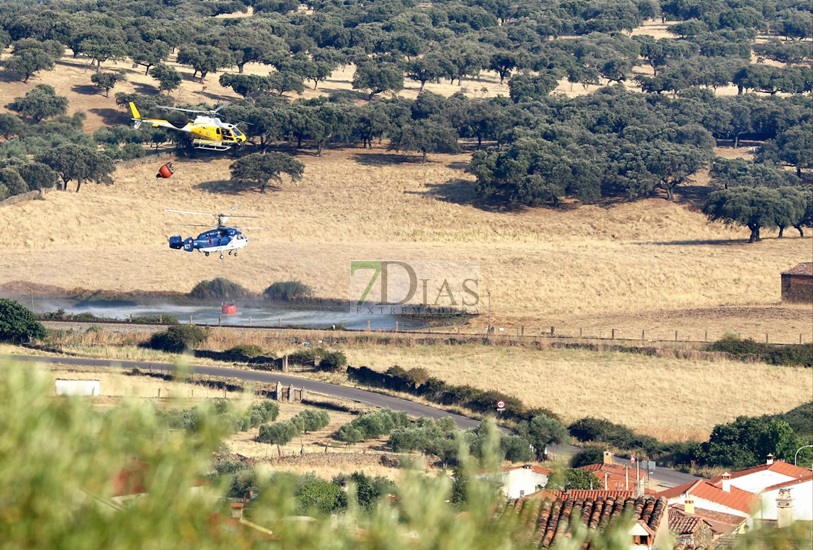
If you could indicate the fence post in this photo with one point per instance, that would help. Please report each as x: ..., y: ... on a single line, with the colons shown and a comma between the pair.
x: 368, y: 325
x: 396, y: 326
x: 219, y: 320
x: 580, y: 332
x: 676, y: 336
x: 553, y: 331
x: 612, y: 334
x: 766, y: 337
x: 249, y: 321
x: 522, y: 331
x: 706, y: 336
x: 643, y: 335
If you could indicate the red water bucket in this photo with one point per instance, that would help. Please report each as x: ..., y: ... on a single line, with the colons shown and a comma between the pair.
x: 165, y: 171
x: 229, y: 309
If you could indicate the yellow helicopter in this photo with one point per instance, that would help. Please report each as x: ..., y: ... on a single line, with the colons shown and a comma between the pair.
x: 209, y: 131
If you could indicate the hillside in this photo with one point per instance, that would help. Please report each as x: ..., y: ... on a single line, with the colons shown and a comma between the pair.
x: 660, y: 264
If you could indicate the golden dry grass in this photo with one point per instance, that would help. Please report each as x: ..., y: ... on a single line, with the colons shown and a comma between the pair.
x: 667, y: 398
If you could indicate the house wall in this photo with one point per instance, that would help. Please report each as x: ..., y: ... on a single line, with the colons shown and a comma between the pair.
x: 77, y: 387
x: 709, y: 505
x: 797, y: 288
x: 524, y: 480
x: 756, y: 482
x: 802, y: 495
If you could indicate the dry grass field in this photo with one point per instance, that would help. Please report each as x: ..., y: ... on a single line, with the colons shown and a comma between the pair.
x: 667, y: 398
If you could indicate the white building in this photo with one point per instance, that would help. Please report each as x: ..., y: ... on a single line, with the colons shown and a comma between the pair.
x: 519, y: 481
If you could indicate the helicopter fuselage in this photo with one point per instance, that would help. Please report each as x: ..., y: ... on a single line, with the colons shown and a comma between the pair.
x: 215, y: 240
x: 209, y: 132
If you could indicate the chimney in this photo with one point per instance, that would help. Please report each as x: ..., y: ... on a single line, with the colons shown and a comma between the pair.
x: 688, y: 505
x: 608, y: 457
x: 770, y: 459
x: 784, y: 508
x: 726, y: 485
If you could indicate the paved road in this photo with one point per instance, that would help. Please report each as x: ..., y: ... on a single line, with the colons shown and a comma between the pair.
x: 663, y: 476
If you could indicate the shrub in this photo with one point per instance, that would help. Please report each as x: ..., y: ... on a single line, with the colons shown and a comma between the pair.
x: 587, y: 456
x: 178, y: 338
x: 305, y: 356
x: 245, y: 350
x: 311, y: 420
x: 371, y: 425
x: 218, y: 289
x: 369, y: 490
x: 332, y: 361
x: 279, y: 433
x: 792, y: 355
x: 165, y: 318
x: 288, y: 291
x: 17, y: 324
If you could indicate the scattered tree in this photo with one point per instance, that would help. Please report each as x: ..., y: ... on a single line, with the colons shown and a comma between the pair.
x: 260, y: 168
x: 40, y: 103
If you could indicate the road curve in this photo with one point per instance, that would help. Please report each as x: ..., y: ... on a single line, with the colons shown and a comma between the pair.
x: 664, y: 476
x: 263, y: 377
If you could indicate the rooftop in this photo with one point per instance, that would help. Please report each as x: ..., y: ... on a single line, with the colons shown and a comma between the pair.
x: 736, y: 499
x: 777, y: 466
x: 547, y: 519
x: 804, y: 268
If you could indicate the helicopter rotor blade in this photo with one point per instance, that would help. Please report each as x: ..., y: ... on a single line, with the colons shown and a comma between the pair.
x: 179, y: 109
x: 188, y: 212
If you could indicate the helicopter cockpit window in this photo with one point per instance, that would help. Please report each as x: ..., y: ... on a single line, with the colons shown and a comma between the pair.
x: 226, y: 133
x: 217, y: 131
x: 237, y: 133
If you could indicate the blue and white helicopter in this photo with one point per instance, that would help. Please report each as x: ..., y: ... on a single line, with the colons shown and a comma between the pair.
x: 220, y: 239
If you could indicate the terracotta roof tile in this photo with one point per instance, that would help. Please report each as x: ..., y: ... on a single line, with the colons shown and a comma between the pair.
x: 587, y: 494
x: 617, y: 477
x: 736, y: 499
x: 721, y: 523
x: 682, y: 523
x: 549, y: 516
x: 804, y: 268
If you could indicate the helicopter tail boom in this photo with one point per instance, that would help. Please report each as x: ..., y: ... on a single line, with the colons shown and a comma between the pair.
x: 155, y: 122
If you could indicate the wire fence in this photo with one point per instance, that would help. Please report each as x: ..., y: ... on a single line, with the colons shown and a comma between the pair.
x: 508, y: 336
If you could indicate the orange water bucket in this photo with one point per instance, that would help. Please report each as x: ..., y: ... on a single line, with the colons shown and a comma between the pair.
x: 229, y: 309
x: 165, y: 171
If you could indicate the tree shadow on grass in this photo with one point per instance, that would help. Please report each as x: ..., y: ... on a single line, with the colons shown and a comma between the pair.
x: 111, y: 117
x: 85, y: 89
x: 458, y: 165
x: 233, y: 187
x: 460, y: 191
x: 387, y: 159
x: 145, y: 89
x: 10, y: 76
x: 348, y: 95
x: 693, y: 196
x: 698, y: 242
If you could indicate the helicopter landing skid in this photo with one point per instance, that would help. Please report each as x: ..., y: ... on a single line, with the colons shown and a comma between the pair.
x: 210, y: 145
